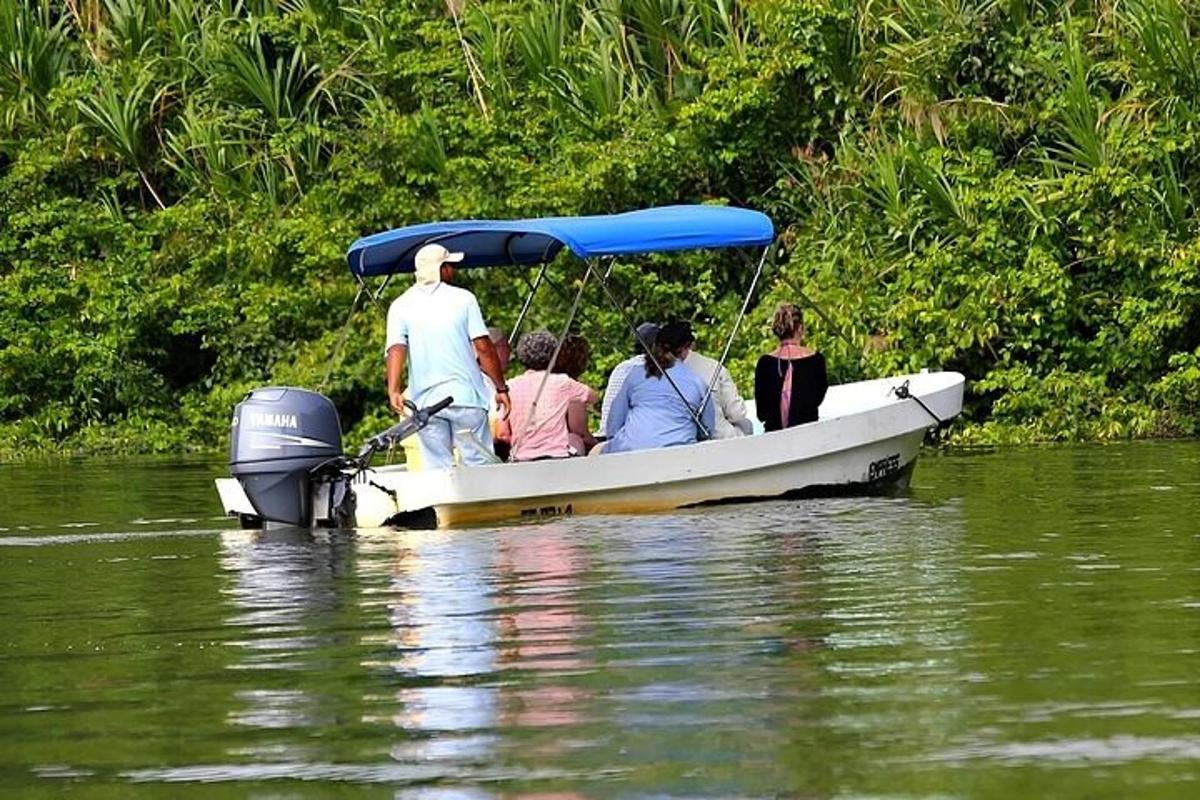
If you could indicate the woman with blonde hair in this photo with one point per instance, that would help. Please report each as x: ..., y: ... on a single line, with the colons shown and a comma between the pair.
x: 789, y: 382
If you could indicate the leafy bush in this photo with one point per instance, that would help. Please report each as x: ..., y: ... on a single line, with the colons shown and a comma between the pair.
x: 1003, y: 189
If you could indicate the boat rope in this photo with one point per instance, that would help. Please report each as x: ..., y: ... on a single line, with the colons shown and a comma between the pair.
x: 529, y: 423
x: 904, y: 393
x: 704, y: 431
x: 712, y: 384
x: 389, y: 492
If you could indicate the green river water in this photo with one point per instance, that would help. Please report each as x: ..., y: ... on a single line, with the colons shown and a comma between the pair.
x: 1023, y: 623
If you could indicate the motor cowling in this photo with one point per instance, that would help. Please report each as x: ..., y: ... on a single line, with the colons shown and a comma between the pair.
x: 279, y: 435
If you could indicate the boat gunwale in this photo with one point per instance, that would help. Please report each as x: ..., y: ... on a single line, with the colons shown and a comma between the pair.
x: 447, y: 486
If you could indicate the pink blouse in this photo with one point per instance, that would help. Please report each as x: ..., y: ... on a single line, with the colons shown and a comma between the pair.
x: 542, y: 432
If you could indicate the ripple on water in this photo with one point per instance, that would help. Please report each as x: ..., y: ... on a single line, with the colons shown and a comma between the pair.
x: 1019, y: 619
x: 389, y: 773
x: 1079, y: 752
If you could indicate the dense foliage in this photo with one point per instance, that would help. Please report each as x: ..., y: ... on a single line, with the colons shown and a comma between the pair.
x: 1002, y: 187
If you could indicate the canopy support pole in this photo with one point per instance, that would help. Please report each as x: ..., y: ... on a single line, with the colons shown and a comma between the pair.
x: 565, y: 296
x: 512, y: 336
x: 650, y: 354
x: 364, y: 289
x: 612, y: 264
x: 712, y: 384
x: 375, y: 296
x: 341, y: 342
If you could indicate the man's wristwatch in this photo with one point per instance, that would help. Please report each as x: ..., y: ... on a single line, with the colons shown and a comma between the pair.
x: 501, y: 390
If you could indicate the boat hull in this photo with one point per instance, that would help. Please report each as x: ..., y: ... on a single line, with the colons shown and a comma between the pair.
x: 867, y: 440
x: 832, y: 475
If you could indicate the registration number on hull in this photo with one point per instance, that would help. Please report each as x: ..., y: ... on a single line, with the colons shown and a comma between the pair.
x: 548, y: 511
x: 883, y: 467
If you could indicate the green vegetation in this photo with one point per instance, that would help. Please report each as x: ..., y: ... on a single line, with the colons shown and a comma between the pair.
x: 1002, y: 187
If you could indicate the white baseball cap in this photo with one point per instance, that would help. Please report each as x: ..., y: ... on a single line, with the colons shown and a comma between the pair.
x: 429, y: 260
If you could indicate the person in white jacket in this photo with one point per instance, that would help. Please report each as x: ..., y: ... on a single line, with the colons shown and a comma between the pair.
x: 732, y: 417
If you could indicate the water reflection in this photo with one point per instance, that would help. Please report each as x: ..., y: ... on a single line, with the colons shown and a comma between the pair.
x: 619, y: 647
x: 444, y: 636
x: 284, y: 588
x: 481, y: 623
x: 1026, y: 621
x: 542, y: 626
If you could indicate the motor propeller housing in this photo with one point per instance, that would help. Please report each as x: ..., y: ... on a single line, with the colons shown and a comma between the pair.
x: 280, y: 434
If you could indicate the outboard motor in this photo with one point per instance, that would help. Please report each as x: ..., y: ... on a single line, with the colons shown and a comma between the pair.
x: 280, y: 434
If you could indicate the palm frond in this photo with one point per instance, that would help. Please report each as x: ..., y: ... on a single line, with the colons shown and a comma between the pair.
x: 1164, y: 49
x: 941, y: 193
x: 120, y: 116
x: 541, y: 37
x: 130, y: 26
x: 34, y: 57
x: 280, y: 89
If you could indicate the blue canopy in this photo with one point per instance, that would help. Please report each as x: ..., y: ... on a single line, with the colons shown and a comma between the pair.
x: 493, y: 243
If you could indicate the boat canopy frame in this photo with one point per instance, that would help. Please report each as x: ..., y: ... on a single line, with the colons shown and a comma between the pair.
x: 537, y: 242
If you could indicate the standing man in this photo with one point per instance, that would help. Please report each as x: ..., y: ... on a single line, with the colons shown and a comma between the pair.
x: 438, y: 331
x: 732, y: 417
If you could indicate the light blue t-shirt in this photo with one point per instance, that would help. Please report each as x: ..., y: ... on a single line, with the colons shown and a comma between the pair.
x: 648, y: 412
x: 437, y: 323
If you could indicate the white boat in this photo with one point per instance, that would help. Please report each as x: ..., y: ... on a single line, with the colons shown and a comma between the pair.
x: 288, y: 467
x: 866, y: 440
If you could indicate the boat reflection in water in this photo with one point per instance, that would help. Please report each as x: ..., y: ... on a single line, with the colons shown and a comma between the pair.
x: 550, y: 656
x: 286, y: 589
x: 543, y: 625
x: 480, y: 625
x: 443, y: 634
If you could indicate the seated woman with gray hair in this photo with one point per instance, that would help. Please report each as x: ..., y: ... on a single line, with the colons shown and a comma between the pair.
x: 549, y: 410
